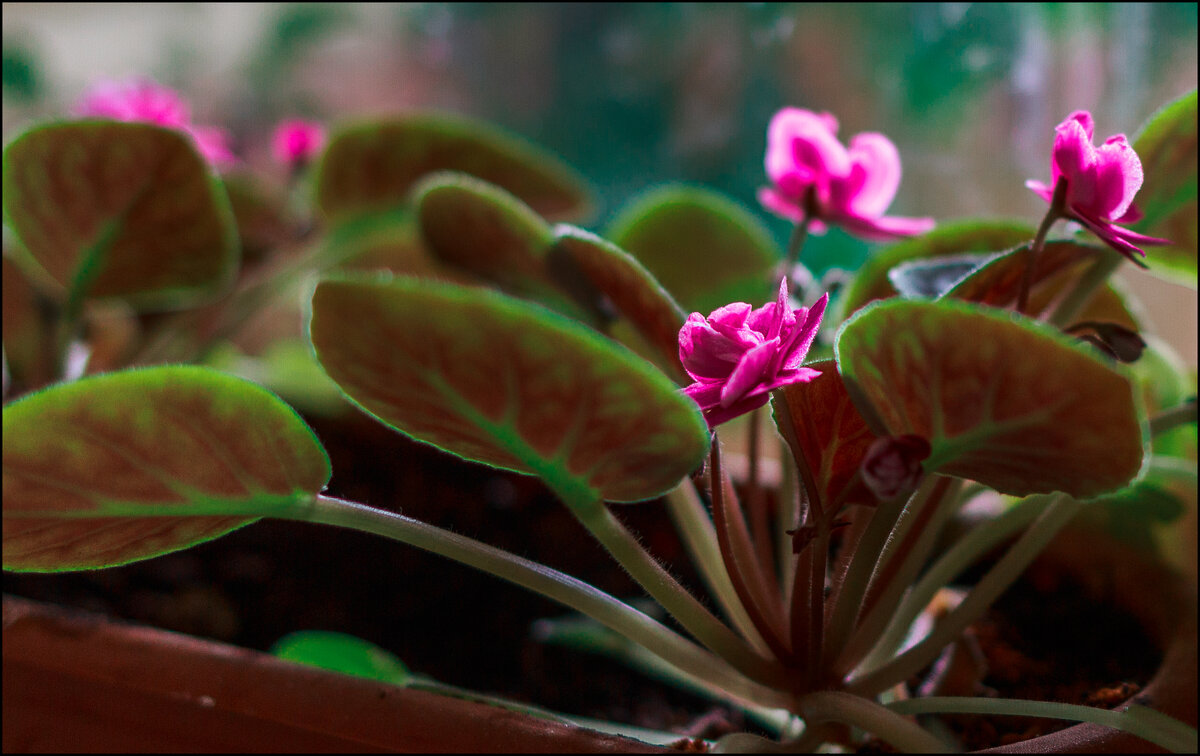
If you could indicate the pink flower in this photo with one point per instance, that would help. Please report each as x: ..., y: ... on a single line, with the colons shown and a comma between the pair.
x: 810, y: 171
x: 1100, y: 183
x: 297, y: 142
x: 737, y: 355
x: 148, y: 102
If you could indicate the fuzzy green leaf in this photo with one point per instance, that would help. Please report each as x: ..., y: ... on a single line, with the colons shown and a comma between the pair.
x: 507, y: 383
x: 1167, y: 148
x: 704, y: 248
x: 124, y: 210
x: 372, y: 166
x: 130, y: 465
x: 1006, y: 401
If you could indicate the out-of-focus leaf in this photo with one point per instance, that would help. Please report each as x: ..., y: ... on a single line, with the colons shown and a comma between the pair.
x: 373, y: 166
x: 610, y: 280
x: 1008, y: 402
x: 263, y: 221
x: 126, y: 466
x: 507, y: 383
x: 27, y: 330
x: 475, y: 227
x: 124, y: 210
x: 1167, y: 148
x: 705, y: 249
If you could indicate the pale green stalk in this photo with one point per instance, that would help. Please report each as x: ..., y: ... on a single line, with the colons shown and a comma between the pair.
x: 961, y: 555
x: 871, y: 717
x: 569, y: 591
x: 1148, y: 724
x: 700, y: 539
x: 1002, y: 575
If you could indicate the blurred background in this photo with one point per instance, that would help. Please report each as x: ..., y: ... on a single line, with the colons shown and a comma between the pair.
x: 634, y: 95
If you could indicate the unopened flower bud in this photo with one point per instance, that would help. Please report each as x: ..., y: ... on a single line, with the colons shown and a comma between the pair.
x: 892, y: 465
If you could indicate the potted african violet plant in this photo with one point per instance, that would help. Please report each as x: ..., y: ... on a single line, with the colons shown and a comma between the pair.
x: 975, y: 361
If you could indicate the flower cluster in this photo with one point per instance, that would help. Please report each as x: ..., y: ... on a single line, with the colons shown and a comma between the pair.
x: 814, y: 177
x: 146, y: 101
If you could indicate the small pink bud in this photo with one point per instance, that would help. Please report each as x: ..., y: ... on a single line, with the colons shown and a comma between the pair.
x: 811, y: 173
x: 892, y: 465
x: 297, y: 142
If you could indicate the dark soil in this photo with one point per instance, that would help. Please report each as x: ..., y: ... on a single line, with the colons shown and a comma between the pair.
x: 469, y: 629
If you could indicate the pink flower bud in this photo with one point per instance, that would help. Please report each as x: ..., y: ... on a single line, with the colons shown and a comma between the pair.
x: 146, y: 101
x: 811, y: 172
x: 297, y: 142
x: 892, y: 465
x: 738, y: 355
x: 1101, y: 183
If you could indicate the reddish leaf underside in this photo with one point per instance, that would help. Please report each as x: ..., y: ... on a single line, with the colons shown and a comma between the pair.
x: 871, y: 281
x: 507, y: 383
x: 832, y: 436
x: 1008, y: 402
x: 373, y: 166
x: 998, y: 283
x: 705, y: 249
x: 628, y: 287
x: 121, y: 209
x: 130, y: 465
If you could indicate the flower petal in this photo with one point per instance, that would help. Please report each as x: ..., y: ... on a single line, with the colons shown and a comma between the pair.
x: 879, y: 162
x: 886, y: 228
x: 801, y: 339
x: 1118, y: 177
x: 749, y: 371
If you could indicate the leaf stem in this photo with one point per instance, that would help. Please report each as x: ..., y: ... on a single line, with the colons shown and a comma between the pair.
x: 1002, y: 575
x: 569, y: 591
x: 874, y: 718
x: 700, y: 539
x: 1171, y: 734
x: 961, y: 555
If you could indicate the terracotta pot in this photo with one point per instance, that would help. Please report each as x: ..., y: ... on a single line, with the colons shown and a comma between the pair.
x: 75, y: 681
x: 79, y: 682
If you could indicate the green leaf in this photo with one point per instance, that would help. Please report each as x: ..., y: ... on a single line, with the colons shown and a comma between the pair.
x: 126, y: 466
x: 968, y: 236
x: 1167, y: 148
x: 1005, y: 401
x: 26, y: 328
x: 124, y: 210
x: 372, y: 166
x: 706, y: 249
x: 829, y: 434
x: 264, y: 223
x: 343, y: 653
x: 507, y: 383
x: 473, y: 226
x: 607, y: 279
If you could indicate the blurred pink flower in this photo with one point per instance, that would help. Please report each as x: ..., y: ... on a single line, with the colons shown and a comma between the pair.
x: 144, y: 100
x: 810, y: 171
x: 737, y: 355
x: 296, y: 142
x: 1100, y: 182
